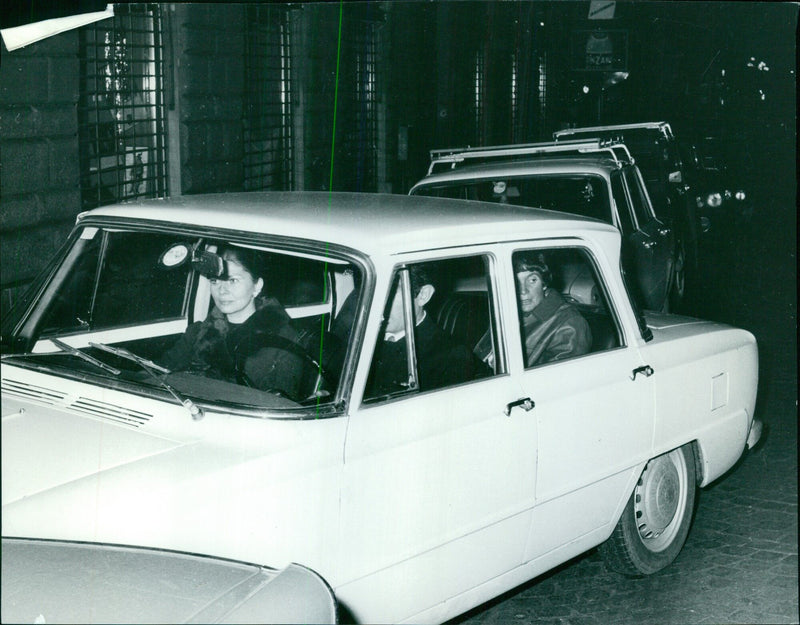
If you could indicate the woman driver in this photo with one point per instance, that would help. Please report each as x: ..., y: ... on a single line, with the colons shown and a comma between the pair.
x: 240, y: 340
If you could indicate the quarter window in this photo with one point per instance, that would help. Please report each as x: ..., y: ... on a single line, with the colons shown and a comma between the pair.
x: 562, y: 305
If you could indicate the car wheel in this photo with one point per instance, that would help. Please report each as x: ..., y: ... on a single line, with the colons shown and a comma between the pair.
x: 656, y: 520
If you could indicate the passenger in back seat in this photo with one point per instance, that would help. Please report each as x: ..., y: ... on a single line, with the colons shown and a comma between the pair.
x: 552, y: 329
x: 441, y: 361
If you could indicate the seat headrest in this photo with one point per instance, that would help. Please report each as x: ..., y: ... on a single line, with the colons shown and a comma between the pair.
x: 579, y: 286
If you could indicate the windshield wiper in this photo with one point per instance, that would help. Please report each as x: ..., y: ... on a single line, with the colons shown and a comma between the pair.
x: 148, y: 365
x: 64, y: 347
x: 124, y: 353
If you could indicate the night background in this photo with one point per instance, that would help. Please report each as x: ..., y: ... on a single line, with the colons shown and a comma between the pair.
x: 170, y: 99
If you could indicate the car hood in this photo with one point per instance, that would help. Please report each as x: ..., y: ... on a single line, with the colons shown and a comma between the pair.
x: 226, y: 485
x: 66, y: 582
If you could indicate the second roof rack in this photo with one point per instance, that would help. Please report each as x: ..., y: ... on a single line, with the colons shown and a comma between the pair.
x: 455, y: 156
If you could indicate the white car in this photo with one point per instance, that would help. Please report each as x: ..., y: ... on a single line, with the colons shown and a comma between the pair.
x: 415, y: 501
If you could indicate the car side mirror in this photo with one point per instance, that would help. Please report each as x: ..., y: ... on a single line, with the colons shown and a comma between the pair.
x: 676, y: 177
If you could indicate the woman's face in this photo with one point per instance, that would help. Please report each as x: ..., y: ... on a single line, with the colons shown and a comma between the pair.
x: 531, y: 290
x: 235, y: 296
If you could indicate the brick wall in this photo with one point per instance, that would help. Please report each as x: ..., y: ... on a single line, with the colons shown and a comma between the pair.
x: 209, y: 51
x: 39, y: 176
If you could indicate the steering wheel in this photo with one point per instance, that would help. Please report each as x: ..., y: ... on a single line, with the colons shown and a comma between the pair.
x: 274, y: 341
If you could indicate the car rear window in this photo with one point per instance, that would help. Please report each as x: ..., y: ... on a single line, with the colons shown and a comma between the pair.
x: 580, y: 194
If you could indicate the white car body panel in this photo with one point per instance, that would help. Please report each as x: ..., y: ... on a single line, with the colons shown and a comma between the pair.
x: 413, y: 510
x: 142, y: 486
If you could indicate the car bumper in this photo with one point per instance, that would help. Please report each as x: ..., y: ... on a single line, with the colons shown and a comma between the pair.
x: 754, y: 435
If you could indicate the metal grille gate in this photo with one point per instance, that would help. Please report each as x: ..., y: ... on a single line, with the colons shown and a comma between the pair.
x: 357, y: 147
x: 122, y: 128
x: 268, y: 137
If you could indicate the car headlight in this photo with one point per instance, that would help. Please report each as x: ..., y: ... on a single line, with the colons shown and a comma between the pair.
x: 714, y: 200
x: 740, y: 195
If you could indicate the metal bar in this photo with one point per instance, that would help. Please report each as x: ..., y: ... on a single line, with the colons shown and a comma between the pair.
x: 651, y: 125
x: 455, y: 156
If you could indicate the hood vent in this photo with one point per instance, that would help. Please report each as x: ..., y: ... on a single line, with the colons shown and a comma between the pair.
x: 83, y: 405
x: 30, y: 391
x: 112, y: 412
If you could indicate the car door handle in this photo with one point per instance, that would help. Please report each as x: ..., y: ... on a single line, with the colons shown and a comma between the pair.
x: 526, y: 403
x: 646, y: 371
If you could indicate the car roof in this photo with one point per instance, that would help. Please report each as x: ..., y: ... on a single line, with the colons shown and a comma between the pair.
x: 375, y: 224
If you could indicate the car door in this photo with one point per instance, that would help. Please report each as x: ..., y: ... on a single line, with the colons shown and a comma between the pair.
x: 593, y: 412
x: 648, y: 245
x: 438, y: 483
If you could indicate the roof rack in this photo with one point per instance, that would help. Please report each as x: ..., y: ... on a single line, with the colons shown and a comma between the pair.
x: 662, y: 126
x: 454, y: 156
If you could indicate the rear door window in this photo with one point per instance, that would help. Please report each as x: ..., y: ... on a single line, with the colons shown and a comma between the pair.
x: 449, y: 307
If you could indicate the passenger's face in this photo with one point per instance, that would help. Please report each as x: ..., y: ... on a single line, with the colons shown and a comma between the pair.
x: 531, y: 290
x: 235, y: 296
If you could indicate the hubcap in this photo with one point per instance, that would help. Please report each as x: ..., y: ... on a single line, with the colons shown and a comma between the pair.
x: 660, y: 500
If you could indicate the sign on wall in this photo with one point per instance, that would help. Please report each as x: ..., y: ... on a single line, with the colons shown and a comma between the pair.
x: 602, y: 9
x: 599, y: 50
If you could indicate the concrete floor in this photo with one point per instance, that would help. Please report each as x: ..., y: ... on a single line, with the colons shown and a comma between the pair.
x: 739, y: 564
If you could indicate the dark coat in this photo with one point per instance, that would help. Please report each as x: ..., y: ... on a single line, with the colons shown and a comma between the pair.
x: 554, y: 330
x: 440, y: 362
x: 256, y: 353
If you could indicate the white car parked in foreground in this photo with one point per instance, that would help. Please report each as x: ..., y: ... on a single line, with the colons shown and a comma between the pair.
x: 415, y: 502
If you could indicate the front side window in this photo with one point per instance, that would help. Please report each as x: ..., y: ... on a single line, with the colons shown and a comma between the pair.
x: 217, y: 319
x: 439, y: 329
x: 562, y: 305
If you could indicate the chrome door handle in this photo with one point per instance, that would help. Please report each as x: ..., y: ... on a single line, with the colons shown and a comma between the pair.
x: 526, y: 403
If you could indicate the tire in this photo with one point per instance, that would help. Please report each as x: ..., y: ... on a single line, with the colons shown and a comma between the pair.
x: 656, y: 520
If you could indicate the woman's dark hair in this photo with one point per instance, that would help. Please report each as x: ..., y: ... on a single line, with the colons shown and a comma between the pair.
x: 533, y: 261
x: 251, y: 260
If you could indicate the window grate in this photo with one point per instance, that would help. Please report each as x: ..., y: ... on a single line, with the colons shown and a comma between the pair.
x: 543, y: 94
x: 514, y: 98
x: 478, y: 97
x: 268, y: 136
x: 358, y: 108
x: 122, y: 127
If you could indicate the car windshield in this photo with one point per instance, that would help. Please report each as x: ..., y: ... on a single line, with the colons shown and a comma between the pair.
x: 214, y: 318
x: 583, y: 194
